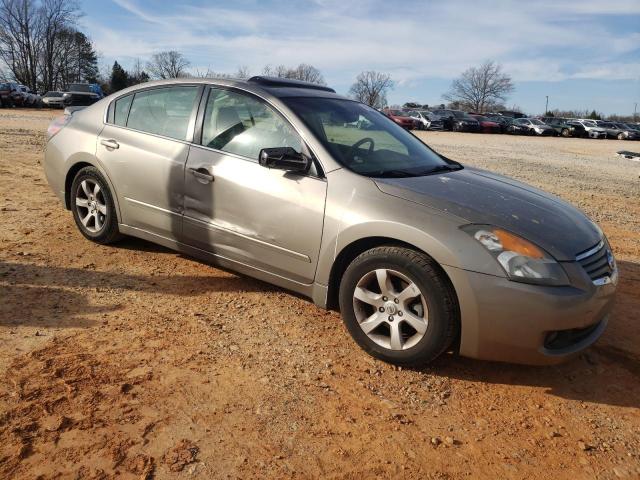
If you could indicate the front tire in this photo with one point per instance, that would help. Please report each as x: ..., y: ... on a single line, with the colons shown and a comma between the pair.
x: 621, y: 136
x: 93, y: 207
x: 398, y: 305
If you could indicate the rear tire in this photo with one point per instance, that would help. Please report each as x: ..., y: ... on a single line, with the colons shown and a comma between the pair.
x: 419, y: 318
x: 93, y: 208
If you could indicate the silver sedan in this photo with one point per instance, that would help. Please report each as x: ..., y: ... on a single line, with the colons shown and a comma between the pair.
x: 293, y: 184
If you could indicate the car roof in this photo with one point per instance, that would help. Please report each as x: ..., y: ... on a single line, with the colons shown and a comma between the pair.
x: 276, y: 87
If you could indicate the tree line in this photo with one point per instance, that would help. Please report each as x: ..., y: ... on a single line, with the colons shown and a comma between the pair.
x: 41, y: 46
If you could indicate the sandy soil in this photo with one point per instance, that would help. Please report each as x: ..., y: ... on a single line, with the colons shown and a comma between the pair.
x: 132, y: 361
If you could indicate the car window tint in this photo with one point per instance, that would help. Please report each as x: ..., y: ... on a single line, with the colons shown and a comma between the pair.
x: 121, y: 110
x: 243, y: 125
x: 163, y: 111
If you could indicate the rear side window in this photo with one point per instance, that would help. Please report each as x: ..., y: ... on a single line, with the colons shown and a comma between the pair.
x: 163, y: 111
x: 121, y: 110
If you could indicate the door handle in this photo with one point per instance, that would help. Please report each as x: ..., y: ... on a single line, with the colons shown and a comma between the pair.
x: 110, y: 143
x: 201, y: 174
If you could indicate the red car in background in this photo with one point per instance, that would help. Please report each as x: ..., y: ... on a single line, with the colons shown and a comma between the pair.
x: 401, y: 118
x: 486, y: 124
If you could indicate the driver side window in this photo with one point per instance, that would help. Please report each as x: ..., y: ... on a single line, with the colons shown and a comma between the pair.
x: 244, y: 125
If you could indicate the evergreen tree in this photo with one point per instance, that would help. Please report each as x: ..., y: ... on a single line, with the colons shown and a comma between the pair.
x: 594, y: 115
x: 119, y: 78
x: 87, y: 58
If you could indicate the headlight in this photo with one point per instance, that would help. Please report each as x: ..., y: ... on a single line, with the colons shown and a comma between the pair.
x: 521, y: 260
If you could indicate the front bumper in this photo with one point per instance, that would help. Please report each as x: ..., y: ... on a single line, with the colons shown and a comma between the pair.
x: 595, y: 134
x: 502, y: 320
x: 546, y: 133
x: 53, y: 103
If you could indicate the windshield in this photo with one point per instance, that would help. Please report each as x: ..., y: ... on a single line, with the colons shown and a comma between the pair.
x: 398, y: 113
x: 535, y: 121
x: 590, y: 123
x: 481, y: 118
x: 364, y: 140
x: 53, y: 94
x: 79, y: 87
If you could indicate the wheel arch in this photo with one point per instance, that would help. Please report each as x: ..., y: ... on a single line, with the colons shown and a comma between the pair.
x: 73, y: 170
x: 350, y: 251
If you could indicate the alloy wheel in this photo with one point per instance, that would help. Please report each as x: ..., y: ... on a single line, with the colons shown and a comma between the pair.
x: 390, y: 309
x: 91, y: 205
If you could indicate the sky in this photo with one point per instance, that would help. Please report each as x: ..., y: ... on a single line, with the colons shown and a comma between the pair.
x: 581, y: 54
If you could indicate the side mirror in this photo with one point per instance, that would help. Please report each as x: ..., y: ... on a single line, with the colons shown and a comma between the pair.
x: 284, y: 158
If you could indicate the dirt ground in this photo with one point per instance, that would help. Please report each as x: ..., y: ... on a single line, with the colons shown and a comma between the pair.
x: 132, y: 361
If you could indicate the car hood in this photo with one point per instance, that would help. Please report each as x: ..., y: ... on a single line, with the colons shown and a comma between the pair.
x: 481, y: 197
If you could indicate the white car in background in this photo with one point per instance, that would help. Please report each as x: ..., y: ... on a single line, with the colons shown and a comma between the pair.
x: 592, y: 128
x: 422, y: 117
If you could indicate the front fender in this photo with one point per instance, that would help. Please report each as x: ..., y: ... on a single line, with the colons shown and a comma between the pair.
x: 357, y: 210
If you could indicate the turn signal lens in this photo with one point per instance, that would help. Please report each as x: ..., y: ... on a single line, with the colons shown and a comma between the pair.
x: 519, y: 245
x: 521, y: 260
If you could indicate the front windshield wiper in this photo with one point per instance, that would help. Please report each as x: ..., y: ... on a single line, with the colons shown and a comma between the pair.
x: 442, y: 168
x: 406, y: 173
x: 391, y: 174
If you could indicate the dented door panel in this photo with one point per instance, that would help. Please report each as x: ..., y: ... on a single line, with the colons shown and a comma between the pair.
x: 268, y: 219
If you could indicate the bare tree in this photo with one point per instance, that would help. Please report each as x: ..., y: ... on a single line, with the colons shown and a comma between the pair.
x: 241, y: 73
x: 304, y: 72
x: 479, y: 88
x: 371, y: 88
x: 19, y: 39
x: 41, y: 46
x: 169, y: 64
x: 56, y: 17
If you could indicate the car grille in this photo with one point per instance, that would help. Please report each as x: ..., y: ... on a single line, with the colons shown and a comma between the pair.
x: 595, y: 261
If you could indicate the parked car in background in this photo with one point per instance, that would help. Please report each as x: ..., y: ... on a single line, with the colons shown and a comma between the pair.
x: 518, y: 128
x: 82, y: 94
x: 421, y: 117
x: 564, y: 127
x: 501, y: 120
x: 487, y: 125
x: 591, y: 127
x: 401, y: 118
x: 611, y: 128
x: 531, y: 126
x: 627, y: 132
x: 512, y: 114
x: 24, y: 97
x: 53, y: 100
x: 7, y: 93
x: 458, y: 121
x: 436, y: 122
x: 420, y: 253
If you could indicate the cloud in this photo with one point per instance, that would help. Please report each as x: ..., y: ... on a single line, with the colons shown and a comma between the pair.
x: 540, y: 40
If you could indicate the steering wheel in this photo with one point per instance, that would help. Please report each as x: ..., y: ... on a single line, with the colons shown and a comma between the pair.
x: 360, y: 142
